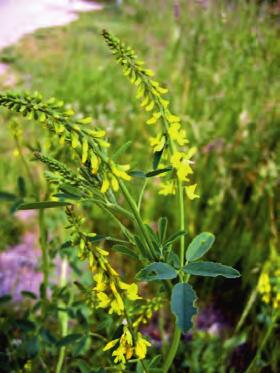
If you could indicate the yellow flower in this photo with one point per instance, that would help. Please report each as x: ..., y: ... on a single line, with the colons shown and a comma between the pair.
x: 84, y: 150
x: 266, y: 298
x: 100, y: 282
x: 110, y: 344
x: 141, y: 346
x: 120, y: 171
x: 120, y: 354
x: 181, y: 162
x: 131, y: 289
x: 126, y: 337
x: 105, y: 185
x: 264, y: 283
x: 157, y: 143
x: 190, y: 190
x: 276, y: 302
x: 154, y: 118
x: 94, y: 162
x: 104, y: 300
x: 177, y: 134
x: 115, y: 184
x: 167, y: 188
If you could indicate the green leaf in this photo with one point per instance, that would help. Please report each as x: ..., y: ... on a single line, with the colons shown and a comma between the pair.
x: 158, y: 171
x: 156, y: 159
x: 125, y: 251
x: 173, y: 260
x: 121, y: 150
x: 96, y: 238
x: 199, y: 246
x: 70, y: 191
x: 174, y: 237
x: 25, y: 325
x: 42, y: 205
x: 182, y: 305
x: 70, y: 338
x: 28, y: 294
x: 5, y: 298
x: 162, y: 228
x: 156, y: 271
x: 21, y: 187
x: 137, y: 173
x: 210, y: 269
x: 47, y: 336
x: 6, y: 196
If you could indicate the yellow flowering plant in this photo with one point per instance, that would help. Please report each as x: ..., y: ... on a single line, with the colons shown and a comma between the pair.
x: 161, y: 256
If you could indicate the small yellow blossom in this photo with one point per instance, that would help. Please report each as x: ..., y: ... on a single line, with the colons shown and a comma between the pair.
x: 105, y: 185
x: 141, y: 346
x: 131, y: 289
x: 104, y: 300
x: 120, y: 171
x: 100, y: 282
x: 157, y: 143
x: 264, y: 283
x: 276, y: 302
x: 110, y: 344
x: 94, y: 162
x: 177, y: 134
x: 190, y: 191
x: 167, y: 188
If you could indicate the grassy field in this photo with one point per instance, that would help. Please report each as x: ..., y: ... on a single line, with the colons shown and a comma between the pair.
x: 220, y: 64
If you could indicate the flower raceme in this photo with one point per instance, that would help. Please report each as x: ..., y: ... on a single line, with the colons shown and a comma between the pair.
x: 151, y: 94
x: 113, y: 294
x: 89, y: 143
x: 269, y: 284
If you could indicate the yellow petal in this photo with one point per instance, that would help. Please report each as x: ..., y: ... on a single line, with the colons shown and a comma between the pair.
x: 190, y: 190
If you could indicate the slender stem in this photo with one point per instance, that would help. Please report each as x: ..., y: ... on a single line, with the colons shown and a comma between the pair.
x: 141, y: 194
x: 177, y: 332
x: 134, y: 209
x: 45, y: 256
x: 247, y: 309
x: 251, y: 368
x: 26, y: 166
x: 173, y: 350
x: 63, y: 316
x: 182, y: 222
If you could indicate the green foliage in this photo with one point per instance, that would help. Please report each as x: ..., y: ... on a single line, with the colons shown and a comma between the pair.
x: 42, y: 205
x: 156, y: 271
x: 199, y: 246
x: 210, y: 269
x: 182, y: 305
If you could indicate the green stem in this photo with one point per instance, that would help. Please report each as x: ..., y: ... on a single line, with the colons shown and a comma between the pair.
x: 251, y: 368
x: 247, y: 309
x: 173, y: 350
x: 182, y: 222
x: 177, y: 333
x: 63, y: 317
x: 45, y: 256
x: 141, y: 194
x: 134, y: 209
